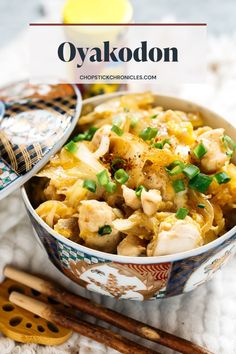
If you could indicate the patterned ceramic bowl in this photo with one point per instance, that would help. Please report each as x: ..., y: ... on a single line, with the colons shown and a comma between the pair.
x: 137, y: 278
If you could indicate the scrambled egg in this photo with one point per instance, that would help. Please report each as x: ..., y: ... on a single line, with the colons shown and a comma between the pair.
x: 139, y: 180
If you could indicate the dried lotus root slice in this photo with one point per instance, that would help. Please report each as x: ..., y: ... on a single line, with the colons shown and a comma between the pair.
x: 23, y: 326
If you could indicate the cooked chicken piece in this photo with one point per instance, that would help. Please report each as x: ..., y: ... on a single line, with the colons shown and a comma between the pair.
x: 68, y: 227
x: 106, y: 243
x: 92, y: 216
x: 183, y: 152
x: 155, y: 177
x: 175, y: 236
x: 130, y: 148
x: 151, y: 201
x: 216, y: 157
x: 130, y: 198
x: 131, y: 246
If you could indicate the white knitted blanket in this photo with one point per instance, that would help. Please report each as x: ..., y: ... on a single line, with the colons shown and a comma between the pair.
x: 206, y: 316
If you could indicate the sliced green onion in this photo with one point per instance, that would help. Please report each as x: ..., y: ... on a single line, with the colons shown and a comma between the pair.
x: 222, y: 177
x: 200, y: 183
x: 182, y: 213
x: 117, y: 163
x: 161, y: 144
x: 88, y: 135
x: 104, y: 230
x: 90, y: 185
x: 191, y: 171
x: 117, y: 130
x: 229, y: 144
x: 121, y: 176
x: 166, y: 141
x: 138, y: 190
x: 71, y: 146
x: 175, y: 167
x: 158, y: 145
x: 154, y: 116
x: 103, y: 178
x: 201, y: 206
x: 148, y: 133
x: 178, y: 185
x: 111, y: 187
x: 126, y: 109
x: 200, y: 151
x: 134, y: 121
x: 79, y: 137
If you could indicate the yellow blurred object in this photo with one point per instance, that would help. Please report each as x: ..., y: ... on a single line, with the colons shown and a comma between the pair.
x: 23, y: 326
x: 99, y: 89
x: 97, y: 11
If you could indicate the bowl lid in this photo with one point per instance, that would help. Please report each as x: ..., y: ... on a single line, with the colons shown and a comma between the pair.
x: 35, y: 121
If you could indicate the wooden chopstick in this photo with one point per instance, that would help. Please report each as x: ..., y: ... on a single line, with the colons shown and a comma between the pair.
x: 95, y: 332
x: 114, y: 318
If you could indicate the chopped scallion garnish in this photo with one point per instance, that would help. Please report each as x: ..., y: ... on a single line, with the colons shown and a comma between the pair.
x: 121, y: 176
x: 71, y: 146
x: 229, y: 144
x: 117, y: 130
x: 88, y: 135
x: 90, y: 185
x: 154, y: 116
x: 103, y: 178
x: 160, y: 144
x: 200, y: 183
x: 178, y: 185
x: 111, y: 187
x: 182, y: 213
x: 200, y: 151
x: 191, y: 171
x: 79, y: 137
x: 138, y: 190
x: 148, y: 133
x: 104, y: 230
x: 175, y: 167
x: 201, y: 206
x: 134, y: 121
x: 222, y: 177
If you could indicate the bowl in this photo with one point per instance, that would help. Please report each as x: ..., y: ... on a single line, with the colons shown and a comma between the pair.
x: 137, y: 278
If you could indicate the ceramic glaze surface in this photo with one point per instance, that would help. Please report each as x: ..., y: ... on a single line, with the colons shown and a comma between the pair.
x: 134, y: 281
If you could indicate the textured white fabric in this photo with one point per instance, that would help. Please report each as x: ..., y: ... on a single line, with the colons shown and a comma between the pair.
x: 206, y: 316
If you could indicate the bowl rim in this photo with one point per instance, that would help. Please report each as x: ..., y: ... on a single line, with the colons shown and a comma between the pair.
x: 132, y: 259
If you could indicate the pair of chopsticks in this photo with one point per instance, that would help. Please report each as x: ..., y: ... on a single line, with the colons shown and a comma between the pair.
x: 95, y: 332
